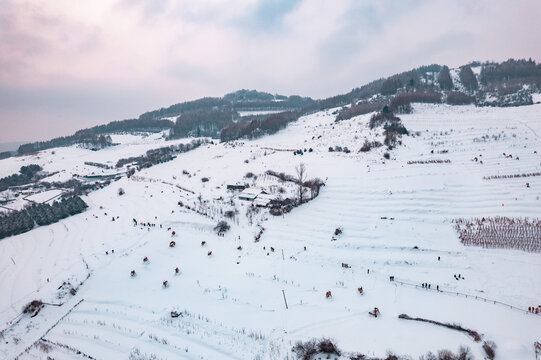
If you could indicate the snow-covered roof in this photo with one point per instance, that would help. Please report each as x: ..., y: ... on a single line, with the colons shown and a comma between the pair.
x: 249, y: 194
x: 263, y: 199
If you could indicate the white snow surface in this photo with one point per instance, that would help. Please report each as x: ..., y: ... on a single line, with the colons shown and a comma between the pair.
x: 232, y: 301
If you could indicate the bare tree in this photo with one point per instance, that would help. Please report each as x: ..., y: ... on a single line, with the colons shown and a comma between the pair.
x: 301, y: 178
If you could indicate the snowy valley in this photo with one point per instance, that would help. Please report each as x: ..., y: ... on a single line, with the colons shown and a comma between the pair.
x: 387, y: 226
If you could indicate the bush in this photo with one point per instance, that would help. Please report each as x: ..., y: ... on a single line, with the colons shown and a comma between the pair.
x: 459, y: 98
x: 33, y: 307
x: 326, y: 346
x: 222, y: 227
x: 367, y: 146
x: 490, y: 349
x: 305, y: 350
x: 121, y: 191
x: 204, y: 179
x: 387, y: 155
x: 382, y: 118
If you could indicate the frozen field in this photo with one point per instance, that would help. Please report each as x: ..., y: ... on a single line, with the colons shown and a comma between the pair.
x: 396, y: 219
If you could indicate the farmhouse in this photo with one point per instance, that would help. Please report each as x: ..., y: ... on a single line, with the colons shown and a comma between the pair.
x: 249, y: 194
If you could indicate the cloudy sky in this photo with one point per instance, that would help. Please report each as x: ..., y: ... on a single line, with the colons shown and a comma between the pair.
x: 69, y: 64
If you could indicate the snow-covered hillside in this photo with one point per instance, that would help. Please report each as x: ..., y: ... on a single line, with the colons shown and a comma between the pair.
x: 397, y: 220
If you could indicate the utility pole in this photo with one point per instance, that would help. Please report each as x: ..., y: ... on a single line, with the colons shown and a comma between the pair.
x: 285, y: 301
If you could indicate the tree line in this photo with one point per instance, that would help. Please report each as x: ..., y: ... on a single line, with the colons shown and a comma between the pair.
x: 160, y: 155
x: 24, y: 220
x: 95, y: 137
x: 27, y: 174
x: 199, y: 123
x: 258, y: 126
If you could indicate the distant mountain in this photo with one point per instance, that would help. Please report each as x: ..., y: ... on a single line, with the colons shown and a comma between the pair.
x: 509, y: 83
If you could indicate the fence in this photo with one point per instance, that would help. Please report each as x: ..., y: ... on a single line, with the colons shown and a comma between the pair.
x: 467, y: 296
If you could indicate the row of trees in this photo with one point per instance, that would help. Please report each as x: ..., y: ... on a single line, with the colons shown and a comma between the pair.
x: 160, y: 155
x: 258, y: 126
x: 18, y: 222
x: 359, y: 109
x: 511, y: 176
x: 205, y: 103
x: 94, y: 137
x: 401, y: 103
x: 202, y: 123
x: 27, y: 174
x: 526, y: 70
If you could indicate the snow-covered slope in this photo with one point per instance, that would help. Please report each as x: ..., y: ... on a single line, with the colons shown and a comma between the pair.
x: 396, y: 219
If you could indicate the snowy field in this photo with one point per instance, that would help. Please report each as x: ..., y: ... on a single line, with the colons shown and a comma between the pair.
x: 396, y: 219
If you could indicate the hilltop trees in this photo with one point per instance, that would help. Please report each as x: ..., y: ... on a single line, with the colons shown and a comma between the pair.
x: 468, y: 79
x: 444, y: 79
x: 511, y: 71
x: 258, y: 126
x: 202, y: 123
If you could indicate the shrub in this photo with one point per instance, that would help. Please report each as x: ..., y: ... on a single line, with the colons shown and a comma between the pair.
x: 387, y: 155
x: 204, y: 179
x: 33, y: 307
x: 381, y: 118
x: 366, y: 146
x: 222, y: 227
x: 490, y: 349
x: 326, y: 346
x: 305, y: 350
x: 249, y: 175
x: 121, y: 191
x: 459, y: 98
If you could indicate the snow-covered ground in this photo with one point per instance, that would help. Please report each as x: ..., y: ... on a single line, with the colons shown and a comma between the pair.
x: 396, y: 219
